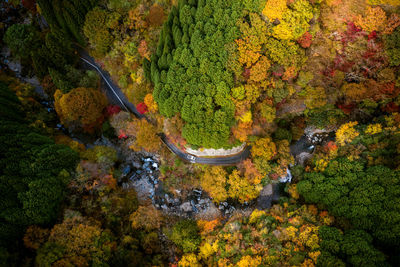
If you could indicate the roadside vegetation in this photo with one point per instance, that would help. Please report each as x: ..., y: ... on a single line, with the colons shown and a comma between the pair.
x: 85, y: 183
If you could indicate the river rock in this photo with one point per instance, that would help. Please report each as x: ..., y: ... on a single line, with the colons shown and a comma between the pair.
x: 264, y: 201
x: 186, y: 207
x: 136, y: 165
x: 210, y: 213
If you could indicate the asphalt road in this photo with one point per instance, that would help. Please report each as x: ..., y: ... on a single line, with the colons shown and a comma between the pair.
x: 119, y: 97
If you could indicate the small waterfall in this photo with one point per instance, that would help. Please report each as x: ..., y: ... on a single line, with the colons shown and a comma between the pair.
x: 287, y: 178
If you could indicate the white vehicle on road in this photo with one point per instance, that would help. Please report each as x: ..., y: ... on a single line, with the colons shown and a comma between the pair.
x: 191, y: 158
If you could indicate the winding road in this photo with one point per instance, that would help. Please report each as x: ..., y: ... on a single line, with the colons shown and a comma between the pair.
x: 119, y: 97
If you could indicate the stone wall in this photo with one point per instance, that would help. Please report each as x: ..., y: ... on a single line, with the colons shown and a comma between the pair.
x: 216, y: 152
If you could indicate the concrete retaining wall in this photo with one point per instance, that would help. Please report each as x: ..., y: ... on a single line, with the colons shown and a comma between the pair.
x: 209, y: 152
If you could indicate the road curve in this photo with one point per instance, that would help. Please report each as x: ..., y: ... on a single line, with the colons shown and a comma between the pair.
x: 119, y: 97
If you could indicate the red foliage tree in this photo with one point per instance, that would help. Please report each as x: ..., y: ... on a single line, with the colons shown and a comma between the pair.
x: 391, y: 107
x: 347, y: 108
x: 142, y: 108
x: 30, y: 5
x: 305, y: 40
x: 112, y: 109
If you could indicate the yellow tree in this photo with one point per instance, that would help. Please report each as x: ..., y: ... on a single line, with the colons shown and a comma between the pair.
x: 249, y: 261
x: 248, y: 52
x: 81, y: 105
x: 241, y: 189
x: 315, y: 97
x: 354, y: 91
x: 274, y: 9
x: 213, y: 181
x: 346, y: 133
x: 150, y: 103
x: 146, y: 135
x: 77, y: 242
x: 264, y: 147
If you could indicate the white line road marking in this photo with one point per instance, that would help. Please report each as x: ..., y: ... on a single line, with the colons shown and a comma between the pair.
x: 105, y: 79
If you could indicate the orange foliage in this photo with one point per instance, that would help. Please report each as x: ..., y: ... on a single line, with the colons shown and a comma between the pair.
x: 259, y: 71
x: 373, y: 20
x: 150, y: 103
x: 143, y: 49
x: 35, y: 237
x: 290, y: 73
x: 156, y: 15
x: 392, y: 23
x: 250, y: 171
x: 242, y: 130
x: 82, y: 105
x: 305, y: 40
x: 207, y: 227
x: 136, y: 20
x: 110, y: 181
x: 248, y: 52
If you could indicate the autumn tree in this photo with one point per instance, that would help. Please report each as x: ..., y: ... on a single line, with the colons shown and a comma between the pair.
x: 150, y: 103
x: 81, y: 106
x: 214, y: 182
x: 346, y: 133
x: 156, y: 15
x: 185, y: 234
x: 147, y: 218
x: 355, y: 91
x: 274, y: 9
x: 242, y: 189
x: 294, y: 22
x: 250, y: 171
x: 374, y: 19
x: 97, y: 31
x: 264, y: 147
x: 259, y: 71
x: 145, y: 135
x: 305, y: 40
x: 35, y: 237
x: 315, y: 97
x: 76, y: 241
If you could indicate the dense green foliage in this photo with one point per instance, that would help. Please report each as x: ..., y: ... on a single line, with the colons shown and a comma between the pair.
x: 190, y: 69
x: 68, y: 15
x: 34, y: 172
x: 366, y: 196
x: 185, y: 234
x: 353, y: 247
x: 96, y: 30
x: 392, y: 44
x: 22, y: 39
